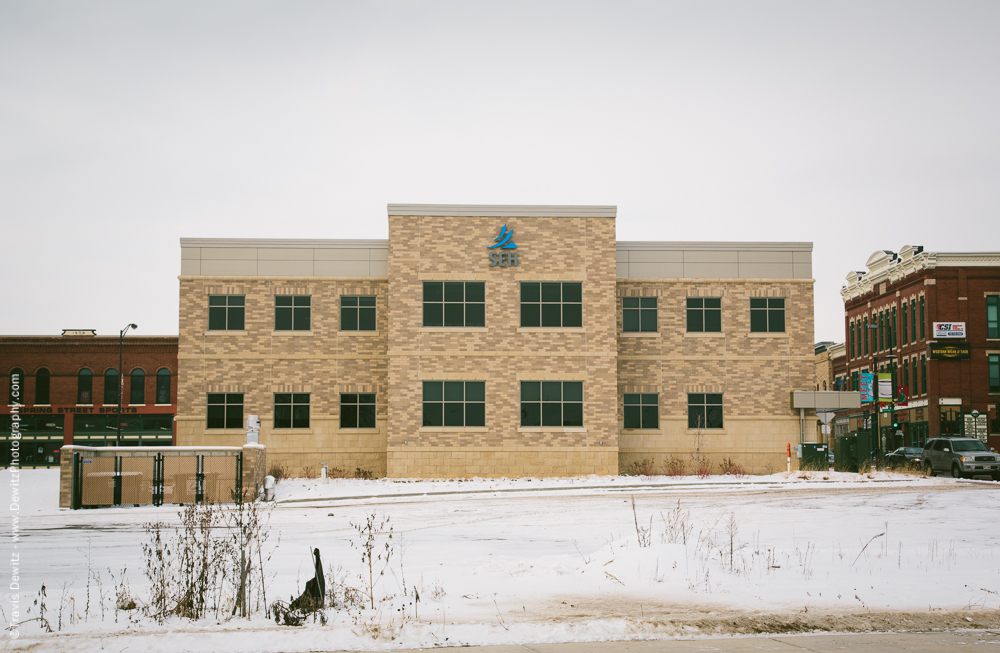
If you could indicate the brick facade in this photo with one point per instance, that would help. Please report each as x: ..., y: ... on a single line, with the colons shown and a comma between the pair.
x: 755, y: 372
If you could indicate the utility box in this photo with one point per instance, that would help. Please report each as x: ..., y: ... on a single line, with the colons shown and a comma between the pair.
x: 814, y: 456
x: 850, y: 452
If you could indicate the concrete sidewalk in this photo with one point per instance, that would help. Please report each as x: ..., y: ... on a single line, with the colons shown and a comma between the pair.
x: 978, y: 641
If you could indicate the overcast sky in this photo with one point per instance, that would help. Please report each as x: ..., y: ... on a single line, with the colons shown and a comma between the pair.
x: 127, y: 125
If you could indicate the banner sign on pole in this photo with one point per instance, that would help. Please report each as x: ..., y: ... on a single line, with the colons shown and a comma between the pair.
x: 867, y: 389
x: 902, y: 397
x: 885, y: 388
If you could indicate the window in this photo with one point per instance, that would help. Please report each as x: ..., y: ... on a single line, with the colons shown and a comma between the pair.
x: 904, y: 339
x: 638, y: 314
x: 551, y: 403
x: 923, y: 374
x: 357, y: 410
x: 913, y: 320
x: 454, y: 403
x: 994, y: 365
x: 42, y: 379
x: 881, y: 332
x: 357, y: 313
x: 225, y: 312
x: 111, y: 387
x: 137, y: 387
x: 913, y: 369
x: 993, y: 316
x: 554, y: 304
x: 767, y: 315
x: 854, y: 382
x: 850, y: 329
x: 704, y: 314
x: 866, y: 330
x: 858, y: 329
x: 84, y: 387
x: 892, y: 330
x: 291, y: 312
x: 454, y: 304
x: 642, y: 411
x: 291, y: 410
x: 225, y: 411
x: 906, y: 377
x: 922, y: 321
x: 14, y: 394
x: 704, y: 411
x: 163, y: 387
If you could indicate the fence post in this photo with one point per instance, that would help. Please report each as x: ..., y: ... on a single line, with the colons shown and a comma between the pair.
x: 199, y: 479
x: 239, y: 478
x: 76, y: 493
x: 118, y: 481
x: 158, y: 480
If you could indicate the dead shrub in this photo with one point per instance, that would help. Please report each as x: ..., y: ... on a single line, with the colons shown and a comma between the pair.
x: 705, y: 469
x: 364, y: 474
x: 644, y: 467
x: 732, y: 468
x: 309, y: 472
x: 279, y: 471
x: 675, y: 467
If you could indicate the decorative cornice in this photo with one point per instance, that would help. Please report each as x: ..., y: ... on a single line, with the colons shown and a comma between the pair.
x: 885, y: 266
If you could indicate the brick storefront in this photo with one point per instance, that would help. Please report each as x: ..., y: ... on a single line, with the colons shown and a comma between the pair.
x: 904, y: 294
x: 56, y: 407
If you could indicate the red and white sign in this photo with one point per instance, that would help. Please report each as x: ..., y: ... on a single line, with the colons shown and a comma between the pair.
x: 949, y: 330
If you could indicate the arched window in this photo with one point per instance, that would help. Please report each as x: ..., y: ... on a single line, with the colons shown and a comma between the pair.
x: 163, y: 387
x: 85, y: 387
x: 15, y: 393
x: 111, y: 387
x: 137, y: 387
x: 42, y: 378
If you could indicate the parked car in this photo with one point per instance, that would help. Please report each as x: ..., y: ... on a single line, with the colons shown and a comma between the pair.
x: 905, y: 457
x: 961, y: 457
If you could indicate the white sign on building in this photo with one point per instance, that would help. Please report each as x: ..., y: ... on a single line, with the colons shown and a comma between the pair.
x: 949, y: 329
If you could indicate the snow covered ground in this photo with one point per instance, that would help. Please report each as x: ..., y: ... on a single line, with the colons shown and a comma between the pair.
x: 548, y: 560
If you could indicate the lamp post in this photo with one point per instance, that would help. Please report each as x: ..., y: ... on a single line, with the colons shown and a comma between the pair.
x: 121, y: 380
x: 876, y: 430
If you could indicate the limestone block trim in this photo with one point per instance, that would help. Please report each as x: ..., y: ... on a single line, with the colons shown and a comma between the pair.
x: 215, y: 334
x: 359, y: 334
x: 280, y: 334
x: 714, y: 280
x: 258, y: 278
x: 551, y: 429
x: 705, y: 334
x: 552, y: 376
x: 552, y: 329
x: 454, y: 329
x: 715, y: 357
x: 550, y: 276
x: 451, y: 376
x: 721, y: 431
x: 719, y: 292
x: 284, y: 357
x: 411, y: 448
x: 640, y: 431
x: 522, y: 354
x: 358, y: 431
x: 454, y: 429
x: 769, y: 334
x: 639, y: 334
x: 705, y: 389
x: 453, y: 276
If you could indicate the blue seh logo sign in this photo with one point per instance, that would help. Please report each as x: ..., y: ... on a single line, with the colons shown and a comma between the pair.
x: 505, y: 254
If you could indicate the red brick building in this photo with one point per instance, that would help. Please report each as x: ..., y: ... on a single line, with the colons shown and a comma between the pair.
x: 949, y: 373
x: 67, y: 387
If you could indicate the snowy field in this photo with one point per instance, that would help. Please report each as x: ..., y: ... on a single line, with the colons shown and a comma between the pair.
x: 545, y: 560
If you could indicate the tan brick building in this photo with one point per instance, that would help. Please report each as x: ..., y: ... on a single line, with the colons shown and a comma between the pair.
x: 495, y: 341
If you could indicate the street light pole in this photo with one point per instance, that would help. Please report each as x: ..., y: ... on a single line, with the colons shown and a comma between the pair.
x: 121, y: 380
x: 876, y: 426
